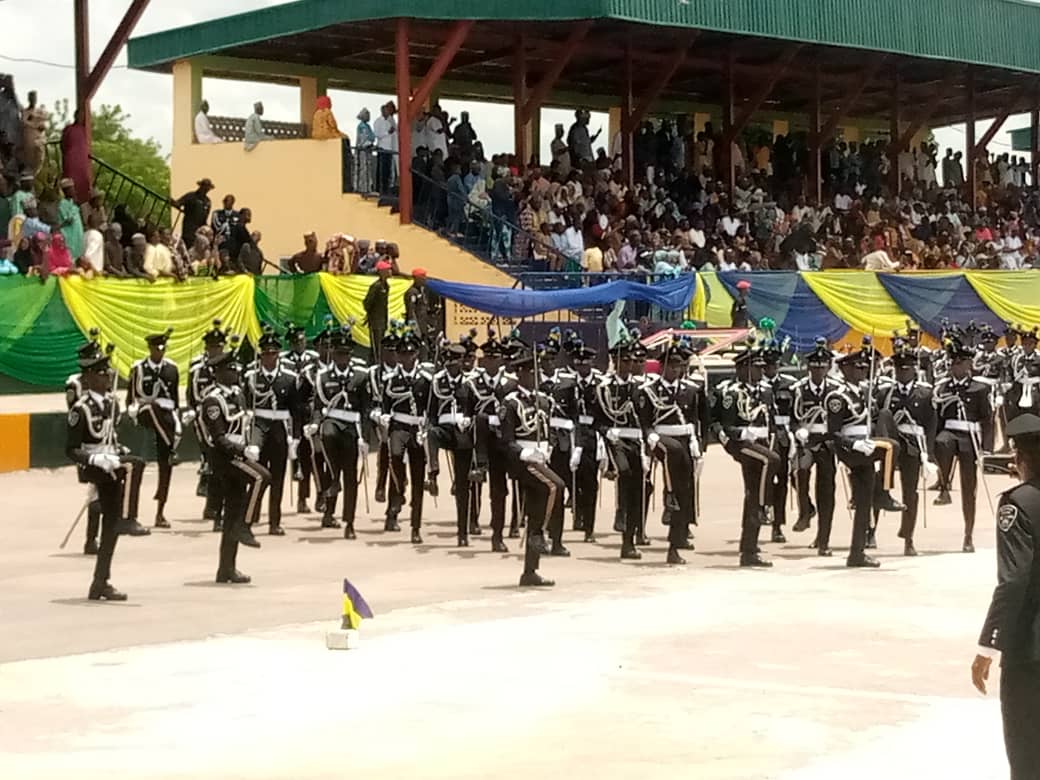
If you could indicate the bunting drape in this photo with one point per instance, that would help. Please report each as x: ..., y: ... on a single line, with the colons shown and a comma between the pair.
x: 346, y: 298
x: 298, y: 299
x: 928, y: 299
x: 1014, y: 296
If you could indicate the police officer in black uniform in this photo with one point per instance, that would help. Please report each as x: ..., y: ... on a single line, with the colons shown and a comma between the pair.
x: 152, y: 398
x: 965, y: 420
x: 742, y: 420
x: 271, y: 392
x: 342, y: 403
x: 225, y: 427
x: 524, y: 415
x: 488, y: 455
x: 1012, y: 626
x: 379, y: 374
x: 401, y: 413
x: 783, y: 442
x: 813, y: 445
x: 909, y: 400
x: 91, y: 443
x: 303, y: 362
x: 200, y: 379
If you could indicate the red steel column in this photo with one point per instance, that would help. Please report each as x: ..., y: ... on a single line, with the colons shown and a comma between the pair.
x: 404, y: 121
x: 81, y: 13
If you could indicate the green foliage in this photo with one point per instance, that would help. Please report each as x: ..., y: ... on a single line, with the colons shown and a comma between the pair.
x: 140, y: 159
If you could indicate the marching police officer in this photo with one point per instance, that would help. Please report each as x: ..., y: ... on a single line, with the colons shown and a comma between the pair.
x: 783, y: 443
x: 814, y: 448
x: 742, y: 421
x: 152, y: 398
x: 489, y: 458
x: 341, y: 402
x: 303, y: 362
x: 225, y: 427
x: 272, y: 396
x: 524, y: 416
x: 379, y: 374
x: 965, y: 418
x: 92, y: 444
x: 401, y: 413
x: 200, y: 379
x: 909, y: 400
x: 1012, y: 625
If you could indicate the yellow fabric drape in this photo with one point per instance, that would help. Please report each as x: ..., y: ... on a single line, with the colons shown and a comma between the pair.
x: 698, y: 309
x: 859, y: 300
x: 1014, y: 296
x: 346, y: 298
x: 128, y: 310
x: 717, y: 311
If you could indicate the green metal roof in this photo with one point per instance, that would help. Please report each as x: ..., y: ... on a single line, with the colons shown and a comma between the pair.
x: 996, y: 33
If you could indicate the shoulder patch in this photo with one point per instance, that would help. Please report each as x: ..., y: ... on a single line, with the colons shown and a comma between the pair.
x: 835, y: 404
x: 212, y: 412
x: 1006, y: 517
x: 73, y: 418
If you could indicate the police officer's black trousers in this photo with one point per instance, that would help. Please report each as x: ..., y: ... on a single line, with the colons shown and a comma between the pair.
x: 497, y: 490
x: 306, y: 466
x: 678, y: 481
x: 161, y: 421
x: 861, y: 477
x: 758, y: 468
x: 630, y: 486
x: 541, y: 491
x: 822, y: 457
x: 382, y: 467
x: 274, y: 454
x: 244, y: 485
x: 404, y: 442
x: 341, y: 450
x: 586, y: 483
x: 1020, y: 707
x: 783, y: 469
x: 951, y: 445
x: 110, y: 496
x: 909, y: 475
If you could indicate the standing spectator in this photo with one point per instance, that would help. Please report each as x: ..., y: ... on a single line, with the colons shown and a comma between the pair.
x: 385, y: 129
x: 579, y: 142
x: 75, y: 156
x: 464, y: 135
x: 224, y: 221
x: 309, y: 260
x: 377, y: 311
x: 457, y: 196
x: 323, y: 124
x: 254, y: 129
x: 195, y: 207
x: 739, y: 311
x: 363, y: 161
x: 437, y: 132
x: 34, y: 135
x: 561, y: 155
x: 251, y: 256
x: 178, y: 251
x: 93, y: 258
x: 503, y: 206
x: 239, y: 236
x: 69, y: 221
x: 10, y: 127
x: 95, y: 206
x: 203, y: 130
x: 422, y: 306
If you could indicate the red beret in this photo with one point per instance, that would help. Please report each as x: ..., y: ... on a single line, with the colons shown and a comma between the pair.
x: 419, y: 272
x: 743, y: 284
x: 382, y: 265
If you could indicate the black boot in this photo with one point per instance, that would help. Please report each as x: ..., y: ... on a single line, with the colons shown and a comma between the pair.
x: 943, y: 499
x: 804, y: 520
x: 319, y: 503
x: 391, y: 522
x: 380, y: 496
x: 301, y: 507
x: 908, y: 548
x: 416, y: 536
x: 497, y: 545
x: 234, y: 577
x: 824, y: 552
x: 131, y: 528
x: 778, y: 535
x: 862, y: 561
x: 969, y: 545
x: 431, y: 484
x: 559, y: 550
x: 871, y: 543
x: 889, y: 504
x: 276, y: 530
x: 629, y: 552
x: 754, y: 561
x: 474, y: 528
x: 463, y: 541
x: 590, y: 537
x: 532, y: 579
x: 218, y: 526
x: 348, y: 530
x: 244, y: 535
x: 102, y: 591
x: 642, y: 540
x: 328, y: 521
x: 161, y: 521
x: 514, y: 532
x: 674, y: 557
x: 90, y: 548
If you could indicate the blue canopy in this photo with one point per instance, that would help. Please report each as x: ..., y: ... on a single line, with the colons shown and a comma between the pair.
x: 670, y: 295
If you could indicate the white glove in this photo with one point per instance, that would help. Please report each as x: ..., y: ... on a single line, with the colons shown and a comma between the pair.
x: 294, y: 448
x: 653, y: 440
x: 864, y: 446
x: 601, y: 450
x: 576, y: 458
x: 695, y: 448
x: 375, y: 415
x: 931, y: 471
x: 613, y: 435
x: 999, y: 401
x: 252, y: 452
x: 132, y: 410
x: 188, y: 416
x: 532, y: 455
x: 645, y: 460
x: 464, y: 423
x: 107, y: 463
x: 802, y: 434
x: 698, y: 467
x: 747, y: 435
x: 422, y: 436
x: 362, y: 448
x: 384, y: 421
x: 310, y: 429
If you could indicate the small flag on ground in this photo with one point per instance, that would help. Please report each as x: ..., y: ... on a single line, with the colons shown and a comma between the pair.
x: 354, y: 606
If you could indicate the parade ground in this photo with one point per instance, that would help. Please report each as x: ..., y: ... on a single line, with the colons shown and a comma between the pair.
x: 623, y: 670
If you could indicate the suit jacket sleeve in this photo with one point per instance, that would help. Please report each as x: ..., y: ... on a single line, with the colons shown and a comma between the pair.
x: 1014, y: 572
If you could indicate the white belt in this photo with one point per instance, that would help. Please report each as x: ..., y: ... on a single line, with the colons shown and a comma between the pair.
x: 533, y: 445
x: 816, y: 428
x: 629, y: 433
x: 449, y: 419
x: 910, y: 429
x: 493, y: 420
x: 271, y: 414
x: 758, y: 431
x: 100, y: 449
x: 162, y: 403
x: 854, y: 430
x: 407, y: 419
x: 344, y: 415
x: 782, y: 419
x: 585, y: 419
x: 561, y: 423
x: 1033, y: 380
x: 986, y: 380
x: 962, y: 425
x: 236, y: 438
x: 674, y: 430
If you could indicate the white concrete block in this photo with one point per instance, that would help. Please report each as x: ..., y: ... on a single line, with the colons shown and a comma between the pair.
x: 343, y: 639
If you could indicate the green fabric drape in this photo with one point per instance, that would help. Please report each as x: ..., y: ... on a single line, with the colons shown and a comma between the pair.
x: 298, y: 299
x: 38, y: 337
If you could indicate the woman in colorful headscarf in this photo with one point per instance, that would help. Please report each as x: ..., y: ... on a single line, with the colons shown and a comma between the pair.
x: 58, y: 259
x: 366, y: 144
x: 324, y: 126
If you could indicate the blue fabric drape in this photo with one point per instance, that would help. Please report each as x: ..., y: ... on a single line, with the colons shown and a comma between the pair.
x: 785, y: 298
x: 930, y: 299
x: 671, y: 295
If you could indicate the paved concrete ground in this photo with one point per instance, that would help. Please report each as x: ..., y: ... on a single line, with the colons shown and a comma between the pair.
x: 623, y: 670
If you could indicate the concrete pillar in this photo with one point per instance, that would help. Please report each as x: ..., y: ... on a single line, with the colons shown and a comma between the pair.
x: 187, y: 95
x: 308, y: 96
